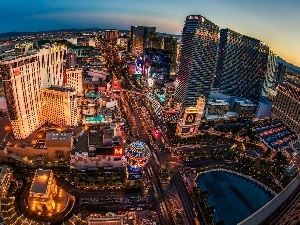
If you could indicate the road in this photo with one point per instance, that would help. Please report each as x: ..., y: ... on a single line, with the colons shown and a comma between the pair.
x: 185, y: 198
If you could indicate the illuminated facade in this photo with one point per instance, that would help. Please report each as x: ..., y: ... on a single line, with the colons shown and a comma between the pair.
x: 157, y: 64
x: 246, y: 67
x: 43, y: 190
x: 137, y: 154
x: 59, y: 106
x: 106, y: 156
x: 189, y: 124
x: 139, y: 39
x: 197, y: 60
x: 286, y: 105
x: 5, y: 177
x: 74, y: 79
x: 25, y: 79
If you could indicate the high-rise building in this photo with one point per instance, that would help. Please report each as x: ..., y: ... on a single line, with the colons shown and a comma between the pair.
x: 197, y: 60
x: 286, y: 105
x: 246, y: 66
x: 26, y: 80
x: 139, y: 39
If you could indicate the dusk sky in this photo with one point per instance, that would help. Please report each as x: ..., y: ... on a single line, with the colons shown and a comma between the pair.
x: 275, y: 22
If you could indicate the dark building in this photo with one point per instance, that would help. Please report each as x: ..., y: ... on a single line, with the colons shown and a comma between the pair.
x: 245, y: 67
x: 157, y: 64
x: 165, y: 43
x: 71, y: 58
x: 139, y: 39
x: 197, y: 60
x: 111, y: 35
x: 280, y: 73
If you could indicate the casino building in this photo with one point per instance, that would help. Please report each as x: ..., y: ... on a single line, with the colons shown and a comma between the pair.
x: 90, y: 153
x: 43, y: 190
x: 189, y: 124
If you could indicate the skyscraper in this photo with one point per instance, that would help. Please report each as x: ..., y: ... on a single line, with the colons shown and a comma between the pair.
x: 246, y: 66
x: 197, y: 60
x: 286, y: 105
x: 139, y: 39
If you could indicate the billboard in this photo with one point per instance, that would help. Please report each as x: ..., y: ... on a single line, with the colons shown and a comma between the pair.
x: 118, y: 151
x: 190, y: 118
x: 157, y: 63
x: 116, y: 85
x: 134, y: 176
x: 138, y: 69
x: 185, y: 130
x: 131, y: 69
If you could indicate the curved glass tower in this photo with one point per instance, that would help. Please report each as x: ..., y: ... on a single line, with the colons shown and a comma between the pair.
x: 246, y: 66
x: 197, y: 60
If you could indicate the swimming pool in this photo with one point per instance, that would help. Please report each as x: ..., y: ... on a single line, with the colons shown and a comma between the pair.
x: 234, y: 197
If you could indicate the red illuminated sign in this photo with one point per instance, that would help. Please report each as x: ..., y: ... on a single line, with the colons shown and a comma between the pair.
x: 116, y: 86
x: 118, y: 151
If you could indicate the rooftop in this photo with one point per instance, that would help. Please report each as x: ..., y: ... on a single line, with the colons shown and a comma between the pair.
x: 59, y: 136
x: 61, y: 88
x: 40, y: 181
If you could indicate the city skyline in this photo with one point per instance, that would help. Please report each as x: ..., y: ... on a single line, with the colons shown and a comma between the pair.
x: 272, y: 22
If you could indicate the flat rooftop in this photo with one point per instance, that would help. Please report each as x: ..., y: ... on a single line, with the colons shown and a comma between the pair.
x: 40, y: 181
x: 59, y: 136
x: 61, y: 88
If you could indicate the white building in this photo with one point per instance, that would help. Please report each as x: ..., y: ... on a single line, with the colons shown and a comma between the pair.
x: 74, y: 79
x: 26, y: 80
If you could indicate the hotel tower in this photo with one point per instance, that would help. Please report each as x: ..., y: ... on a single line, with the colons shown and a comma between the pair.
x: 35, y: 91
x: 197, y: 60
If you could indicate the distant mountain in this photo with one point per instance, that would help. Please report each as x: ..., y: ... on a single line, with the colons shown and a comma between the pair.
x: 290, y: 66
x: 19, y: 33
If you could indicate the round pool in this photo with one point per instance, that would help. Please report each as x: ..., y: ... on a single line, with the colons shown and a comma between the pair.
x: 234, y: 197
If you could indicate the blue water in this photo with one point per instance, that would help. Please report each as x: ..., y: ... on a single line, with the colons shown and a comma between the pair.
x: 234, y: 197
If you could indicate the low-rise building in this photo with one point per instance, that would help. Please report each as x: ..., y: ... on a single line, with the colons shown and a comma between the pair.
x: 43, y: 190
x: 245, y: 109
x: 90, y: 153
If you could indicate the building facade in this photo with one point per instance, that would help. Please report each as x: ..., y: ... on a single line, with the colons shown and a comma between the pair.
x: 71, y: 58
x: 139, y: 39
x: 5, y: 178
x: 59, y: 106
x: 245, y: 67
x: 157, y: 64
x: 74, y: 79
x: 286, y: 105
x: 24, y: 80
x: 189, y: 124
x: 197, y: 60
